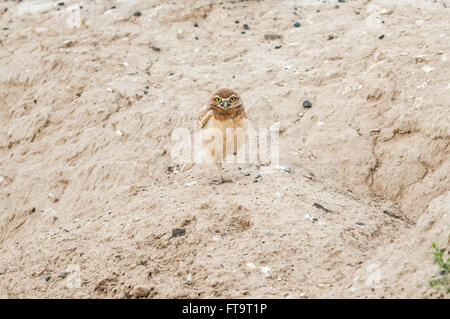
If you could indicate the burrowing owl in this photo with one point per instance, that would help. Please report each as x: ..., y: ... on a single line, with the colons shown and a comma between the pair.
x: 224, y: 125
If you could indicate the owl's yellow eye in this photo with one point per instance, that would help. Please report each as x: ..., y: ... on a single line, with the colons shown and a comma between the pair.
x: 218, y: 99
x: 232, y: 99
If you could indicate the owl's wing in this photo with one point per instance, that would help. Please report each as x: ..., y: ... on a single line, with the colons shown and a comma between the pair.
x: 204, y: 117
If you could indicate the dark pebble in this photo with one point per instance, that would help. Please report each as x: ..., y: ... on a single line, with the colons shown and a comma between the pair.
x: 5, y: 28
x: 237, y: 21
x: 156, y: 49
x: 381, y: 37
x: 336, y: 7
x: 195, y: 25
x: 48, y: 278
x: 145, y: 92
x: 243, y: 32
x: 357, y: 12
x: 341, y: 1
x: 63, y: 274
x: 60, y: 3
x: 177, y: 232
x: 170, y: 74
x: 137, y: 14
x: 297, y: 24
x: 6, y: 9
x: 360, y: 223
x: 307, y: 104
x: 278, y: 47
x: 113, y: 7
x: 246, y: 27
x: 147, y: 87
x: 317, y: 205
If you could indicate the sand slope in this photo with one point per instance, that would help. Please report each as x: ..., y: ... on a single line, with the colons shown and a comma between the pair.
x: 90, y: 96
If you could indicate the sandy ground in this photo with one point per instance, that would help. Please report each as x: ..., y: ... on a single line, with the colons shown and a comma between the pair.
x: 90, y: 93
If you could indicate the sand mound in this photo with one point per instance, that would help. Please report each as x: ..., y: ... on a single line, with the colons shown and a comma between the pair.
x: 90, y: 197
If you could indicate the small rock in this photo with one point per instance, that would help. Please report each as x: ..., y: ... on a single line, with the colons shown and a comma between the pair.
x: 137, y: 14
x: 331, y: 37
x: 195, y: 25
x: 381, y: 37
x: 141, y: 291
x: 156, y: 49
x: 317, y: 205
x: 48, y: 278
x: 64, y: 274
x: 246, y: 27
x: 297, y: 24
x: 237, y: 21
x: 178, y: 232
x: 60, y: 3
x: 243, y: 32
x: 307, y: 104
x: 341, y: 1
x: 278, y: 47
x: 360, y: 223
x: 311, y: 218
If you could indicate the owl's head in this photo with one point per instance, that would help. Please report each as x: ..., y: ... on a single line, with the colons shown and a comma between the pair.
x: 226, y: 99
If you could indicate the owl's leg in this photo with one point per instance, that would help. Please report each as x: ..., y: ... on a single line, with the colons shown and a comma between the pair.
x: 222, y: 178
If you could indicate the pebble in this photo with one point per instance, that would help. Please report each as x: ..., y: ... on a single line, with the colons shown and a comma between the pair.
x: 278, y: 47
x: 63, y: 274
x: 307, y: 104
x: 243, y: 32
x: 237, y: 21
x: 246, y: 26
x: 195, y: 25
x: 311, y: 218
x: 48, y: 278
x: 156, y: 49
x: 317, y: 205
x: 381, y: 37
x: 140, y: 291
x: 297, y: 24
x: 60, y: 3
x: 178, y: 232
x: 360, y: 224
x: 341, y: 1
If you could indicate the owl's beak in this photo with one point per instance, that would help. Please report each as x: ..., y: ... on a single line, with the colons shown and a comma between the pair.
x: 225, y: 104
